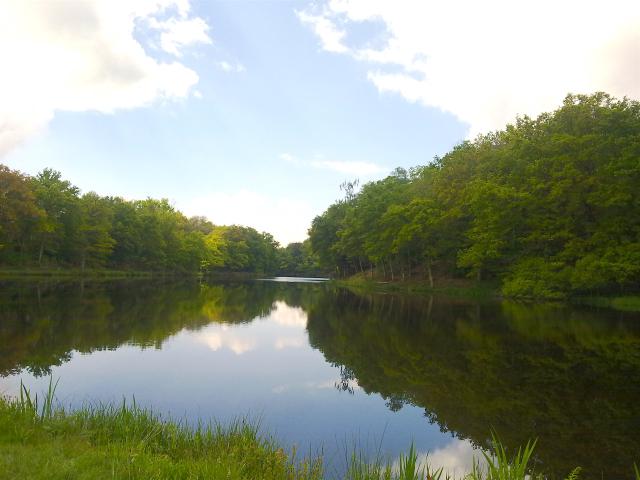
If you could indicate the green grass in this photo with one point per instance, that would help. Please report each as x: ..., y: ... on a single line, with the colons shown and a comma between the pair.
x: 473, y: 290
x: 483, y: 290
x: 113, y: 274
x: 71, y: 273
x: 627, y: 303
x: 494, y: 465
x: 39, y: 440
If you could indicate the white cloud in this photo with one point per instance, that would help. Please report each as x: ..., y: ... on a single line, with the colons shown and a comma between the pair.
x: 84, y: 56
x: 359, y: 168
x: 287, y: 219
x: 231, y: 67
x: 486, y: 62
x: 287, y: 157
x: 176, y: 34
x: 350, y: 168
x: 216, y: 338
x: 287, y: 316
x: 331, y: 36
x: 456, y: 458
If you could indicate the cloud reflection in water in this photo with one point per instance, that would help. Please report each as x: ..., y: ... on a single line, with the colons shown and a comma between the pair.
x: 247, y: 338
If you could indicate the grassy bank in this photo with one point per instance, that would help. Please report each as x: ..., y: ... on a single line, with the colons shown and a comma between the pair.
x: 72, y: 273
x: 461, y: 289
x: 627, y: 303
x: 475, y: 290
x: 91, y: 273
x: 41, y: 441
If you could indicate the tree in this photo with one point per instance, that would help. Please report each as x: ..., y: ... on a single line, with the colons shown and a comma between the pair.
x: 96, y: 243
x: 20, y: 216
x: 59, y: 200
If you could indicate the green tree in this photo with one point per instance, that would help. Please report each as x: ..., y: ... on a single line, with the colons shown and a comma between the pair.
x: 20, y: 216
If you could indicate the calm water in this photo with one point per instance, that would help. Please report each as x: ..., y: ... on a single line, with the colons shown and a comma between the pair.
x: 323, y: 368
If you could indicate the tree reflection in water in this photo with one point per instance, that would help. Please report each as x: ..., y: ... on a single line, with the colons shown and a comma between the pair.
x: 566, y: 375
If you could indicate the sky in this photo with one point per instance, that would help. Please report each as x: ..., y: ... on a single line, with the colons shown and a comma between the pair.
x: 254, y: 112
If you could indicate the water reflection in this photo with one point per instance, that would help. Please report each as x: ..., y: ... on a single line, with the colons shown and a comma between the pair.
x: 321, y: 364
x: 216, y: 337
x: 567, y: 375
x: 288, y: 316
x: 456, y: 458
x: 289, y: 333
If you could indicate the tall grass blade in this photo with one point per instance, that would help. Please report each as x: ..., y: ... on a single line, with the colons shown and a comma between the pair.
x: 575, y: 474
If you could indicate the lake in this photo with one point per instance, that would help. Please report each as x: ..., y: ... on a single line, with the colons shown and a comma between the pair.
x: 326, y: 369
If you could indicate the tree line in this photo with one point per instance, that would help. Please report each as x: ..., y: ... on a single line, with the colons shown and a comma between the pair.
x: 548, y: 207
x: 45, y: 221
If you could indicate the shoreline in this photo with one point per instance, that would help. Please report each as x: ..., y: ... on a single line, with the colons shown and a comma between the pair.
x: 453, y: 288
x: 39, y: 440
x: 482, y: 291
x: 107, y: 273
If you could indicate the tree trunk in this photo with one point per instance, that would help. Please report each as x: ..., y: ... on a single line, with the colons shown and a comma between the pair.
x: 40, y: 253
x: 429, y: 273
x: 391, y: 268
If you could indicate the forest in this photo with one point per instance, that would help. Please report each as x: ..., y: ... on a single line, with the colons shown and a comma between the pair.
x: 46, y: 222
x: 548, y: 207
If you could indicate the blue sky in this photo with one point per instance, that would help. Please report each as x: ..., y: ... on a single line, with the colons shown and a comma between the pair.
x: 255, y: 112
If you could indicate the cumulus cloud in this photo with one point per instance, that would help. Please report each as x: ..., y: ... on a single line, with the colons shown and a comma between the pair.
x: 287, y: 219
x: 90, y: 56
x: 175, y: 34
x: 487, y: 62
x: 332, y: 37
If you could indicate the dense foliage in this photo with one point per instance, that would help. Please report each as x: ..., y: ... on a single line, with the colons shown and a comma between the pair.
x: 46, y: 221
x: 550, y: 206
